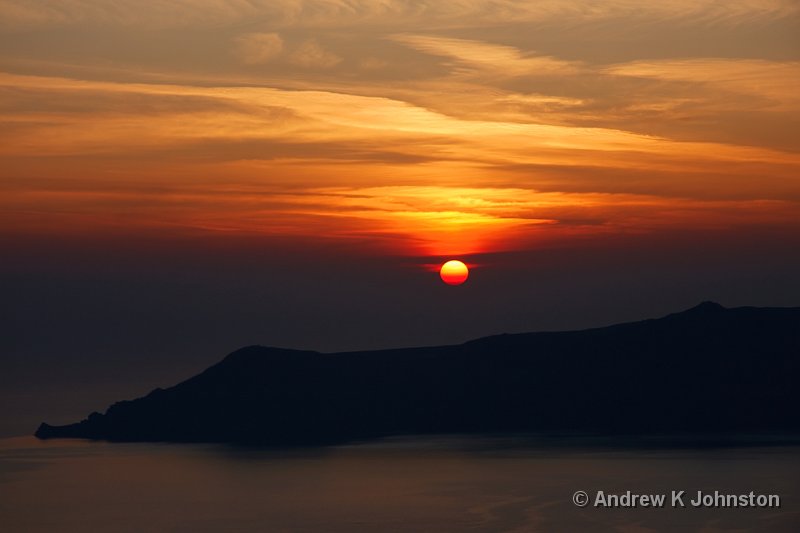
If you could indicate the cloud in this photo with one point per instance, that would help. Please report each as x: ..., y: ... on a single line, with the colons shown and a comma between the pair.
x: 253, y: 117
x: 775, y: 80
x: 335, y: 13
x: 481, y: 56
x: 311, y: 55
x: 257, y: 48
x: 352, y: 164
x: 541, y: 100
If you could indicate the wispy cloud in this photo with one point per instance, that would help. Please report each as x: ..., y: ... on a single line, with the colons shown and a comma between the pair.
x: 392, y: 13
x: 774, y: 80
x: 444, y: 123
x: 490, y: 58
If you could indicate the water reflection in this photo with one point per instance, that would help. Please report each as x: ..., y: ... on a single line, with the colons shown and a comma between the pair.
x: 434, y: 484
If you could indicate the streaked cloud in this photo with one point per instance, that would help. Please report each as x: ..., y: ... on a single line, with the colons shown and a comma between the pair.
x: 332, y: 13
x: 777, y: 81
x: 487, y: 58
x: 469, y: 125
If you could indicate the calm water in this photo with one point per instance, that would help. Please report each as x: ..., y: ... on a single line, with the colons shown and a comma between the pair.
x: 435, y: 485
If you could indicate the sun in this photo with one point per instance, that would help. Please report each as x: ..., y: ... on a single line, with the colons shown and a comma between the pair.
x: 454, y: 272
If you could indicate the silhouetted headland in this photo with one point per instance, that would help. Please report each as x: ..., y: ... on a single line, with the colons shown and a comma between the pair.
x: 705, y: 370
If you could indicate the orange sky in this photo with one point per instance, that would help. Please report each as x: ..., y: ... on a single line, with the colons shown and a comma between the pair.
x: 182, y: 178
x: 421, y: 128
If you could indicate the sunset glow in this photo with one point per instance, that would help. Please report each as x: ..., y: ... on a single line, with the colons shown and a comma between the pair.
x: 416, y: 133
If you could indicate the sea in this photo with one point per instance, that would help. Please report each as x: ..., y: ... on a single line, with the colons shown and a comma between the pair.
x: 414, y: 484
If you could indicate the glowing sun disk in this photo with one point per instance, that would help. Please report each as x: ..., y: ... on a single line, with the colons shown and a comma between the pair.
x: 454, y: 272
